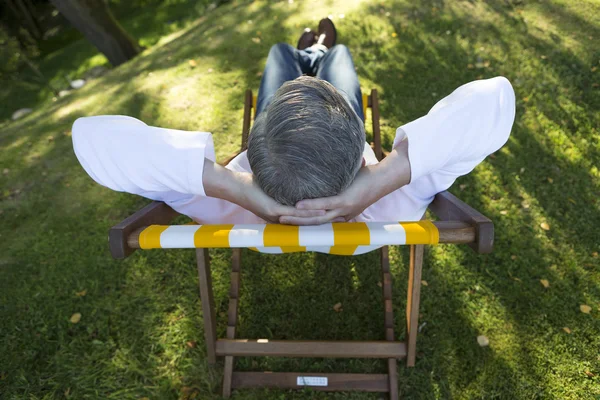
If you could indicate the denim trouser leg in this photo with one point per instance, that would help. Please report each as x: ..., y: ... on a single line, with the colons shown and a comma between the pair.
x: 282, y: 65
x: 337, y: 68
x: 285, y: 63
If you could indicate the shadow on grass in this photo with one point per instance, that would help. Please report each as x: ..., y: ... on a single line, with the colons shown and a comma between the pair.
x: 138, y: 315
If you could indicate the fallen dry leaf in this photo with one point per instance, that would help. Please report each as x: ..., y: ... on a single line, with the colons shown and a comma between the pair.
x: 545, y: 226
x: 590, y: 374
x: 256, y: 40
x: 545, y: 283
x: 75, y: 318
x: 337, y: 307
x: 513, y: 257
x: 424, y: 283
x: 483, y: 341
x: 81, y: 294
x: 192, y: 63
x: 595, y: 254
x: 594, y: 69
x: 191, y: 344
x: 585, y: 308
x: 567, y: 330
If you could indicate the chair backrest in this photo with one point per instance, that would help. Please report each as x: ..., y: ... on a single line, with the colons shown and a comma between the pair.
x: 459, y: 223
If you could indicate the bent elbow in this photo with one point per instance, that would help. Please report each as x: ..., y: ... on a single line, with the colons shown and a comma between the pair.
x: 505, y: 108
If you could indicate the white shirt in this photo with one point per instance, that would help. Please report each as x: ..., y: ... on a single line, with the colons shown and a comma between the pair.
x: 124, y: 154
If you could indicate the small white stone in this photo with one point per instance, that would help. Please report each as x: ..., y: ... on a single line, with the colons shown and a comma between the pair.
x: 77, y: 83
x: 21, y: 113
x: 483, y: 341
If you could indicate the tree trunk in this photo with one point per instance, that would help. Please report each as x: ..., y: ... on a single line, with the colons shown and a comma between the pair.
x: 94, y: 19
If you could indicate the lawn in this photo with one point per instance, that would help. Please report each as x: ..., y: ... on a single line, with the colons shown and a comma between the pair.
x: 140, y: 333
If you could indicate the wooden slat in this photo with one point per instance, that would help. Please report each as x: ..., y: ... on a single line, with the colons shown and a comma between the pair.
x: 288, y: 380
x: 412, y: 306
x: 247, y: 118
x: 232, y: 317
x: 228, y: 377
x: 389, y: 321
x: 387, y: 285
x: 388, y: 314
x: 308, y: 348
x: 393, y: 378
x: 232, y: 313
x: 389, y: 334
x: 376, y: 129
x: 234, y: 286
x: 208, y: 305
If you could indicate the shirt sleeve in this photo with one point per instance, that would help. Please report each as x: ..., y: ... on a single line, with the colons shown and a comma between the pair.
x: 124, y: 154
x: 461, y: 129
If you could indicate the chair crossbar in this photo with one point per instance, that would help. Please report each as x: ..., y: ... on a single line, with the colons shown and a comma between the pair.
x: 310, y: 348
x: 299, y: 380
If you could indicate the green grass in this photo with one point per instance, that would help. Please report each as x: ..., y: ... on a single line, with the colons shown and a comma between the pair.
x: 138, y: 314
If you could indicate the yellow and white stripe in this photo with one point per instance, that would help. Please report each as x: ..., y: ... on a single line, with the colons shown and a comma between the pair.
x: 348, y: 238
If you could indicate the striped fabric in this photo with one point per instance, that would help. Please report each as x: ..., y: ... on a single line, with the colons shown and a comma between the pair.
x: 349, y: 238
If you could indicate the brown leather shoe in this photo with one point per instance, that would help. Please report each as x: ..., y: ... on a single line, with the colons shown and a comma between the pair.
x: 327, y: 35
x: 307, y: 39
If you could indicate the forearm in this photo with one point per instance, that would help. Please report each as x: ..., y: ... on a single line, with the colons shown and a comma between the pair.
x: 393, y: 172
x: 221, y: 183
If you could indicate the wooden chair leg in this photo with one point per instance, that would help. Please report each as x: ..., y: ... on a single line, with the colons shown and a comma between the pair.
x: 412, y: 306
x: 234, y: 293
x: 389, y: 320
x: 208, y: 304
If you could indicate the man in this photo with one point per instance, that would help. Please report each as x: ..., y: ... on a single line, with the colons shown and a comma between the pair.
x: 307, y: 161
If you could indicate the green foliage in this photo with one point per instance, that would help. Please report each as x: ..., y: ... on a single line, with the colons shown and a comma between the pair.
x: 9, y: 53
x: 139, y: 314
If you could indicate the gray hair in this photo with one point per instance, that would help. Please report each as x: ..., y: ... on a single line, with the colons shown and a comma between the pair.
x: 308, y: 142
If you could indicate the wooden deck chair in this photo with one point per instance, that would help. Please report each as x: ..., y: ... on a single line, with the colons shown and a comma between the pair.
x: 457, y: 223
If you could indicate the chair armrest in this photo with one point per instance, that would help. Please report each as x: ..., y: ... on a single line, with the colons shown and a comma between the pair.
x: 157, y: 213
x: 448, y: 207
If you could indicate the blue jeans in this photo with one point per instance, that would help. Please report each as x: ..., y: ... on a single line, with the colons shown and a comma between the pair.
x: 335, y: 65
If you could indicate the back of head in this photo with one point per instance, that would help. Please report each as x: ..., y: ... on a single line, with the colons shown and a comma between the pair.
x: 308, y: 143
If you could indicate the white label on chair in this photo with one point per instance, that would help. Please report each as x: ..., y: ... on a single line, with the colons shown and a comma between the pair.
x: 311, y: 381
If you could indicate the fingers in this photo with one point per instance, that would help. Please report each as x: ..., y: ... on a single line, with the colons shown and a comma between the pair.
x: 324, y: 203
x: 292, y: 211
x: 330, y: 216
